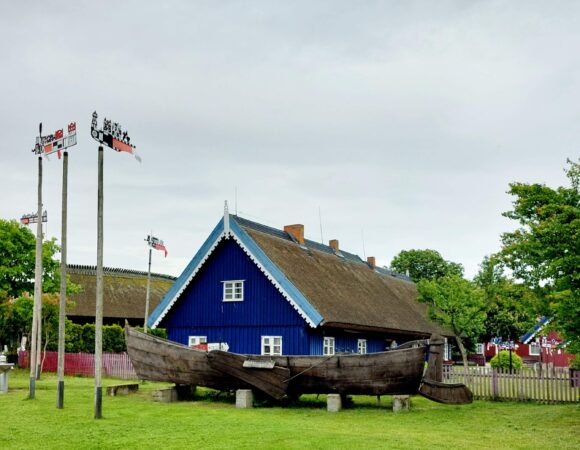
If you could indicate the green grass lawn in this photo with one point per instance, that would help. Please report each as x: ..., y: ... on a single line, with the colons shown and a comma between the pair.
x: 138, y: 422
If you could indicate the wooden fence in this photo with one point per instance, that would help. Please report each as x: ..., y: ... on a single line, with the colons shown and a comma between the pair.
x: 548, y: 385
x: 115, y: 365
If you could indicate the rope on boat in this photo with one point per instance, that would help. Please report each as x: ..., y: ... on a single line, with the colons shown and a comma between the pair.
x: 311, y: 367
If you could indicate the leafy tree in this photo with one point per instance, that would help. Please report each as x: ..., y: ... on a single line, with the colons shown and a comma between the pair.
x: 16, y: 320
x: 544, y: 252
x: 17, y: 261
x: 510, y: 306
x: 17, y: 270
x: 424, y: 265
x: 457, y: 304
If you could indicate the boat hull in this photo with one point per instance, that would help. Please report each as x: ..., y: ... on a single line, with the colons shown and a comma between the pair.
x: 393, y: 372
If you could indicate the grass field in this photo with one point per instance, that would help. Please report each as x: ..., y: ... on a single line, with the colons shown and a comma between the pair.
x: 138, y: 422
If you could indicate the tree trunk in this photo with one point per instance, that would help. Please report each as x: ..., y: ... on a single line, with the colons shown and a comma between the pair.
x: 463, y: 355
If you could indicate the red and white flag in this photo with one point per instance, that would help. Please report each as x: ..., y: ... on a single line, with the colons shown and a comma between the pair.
x: 158, y: 246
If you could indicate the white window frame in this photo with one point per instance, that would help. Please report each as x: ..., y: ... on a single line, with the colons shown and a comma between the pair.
x: 270, y: 341
x: 328, y: 346
x: 447, y: 355
x: 196, y: 340
x: 362, y: 346
x: 479, y: 349
x: 233, y: 291
x: 537, y: 346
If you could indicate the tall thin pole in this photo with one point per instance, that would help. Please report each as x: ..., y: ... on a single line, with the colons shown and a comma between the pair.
x: 99, y: 308
x: 62, y: 304
x: 148, y: 291
x: 37, y: 309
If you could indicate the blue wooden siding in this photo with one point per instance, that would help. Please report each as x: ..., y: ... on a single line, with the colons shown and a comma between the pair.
x: 345, y: 343
x: 200, y: 310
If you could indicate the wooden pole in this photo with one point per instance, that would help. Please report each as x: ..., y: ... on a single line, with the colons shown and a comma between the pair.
x: 62, y: 303
x: 37, y: 308
x: 148, y: 291
x: 99, y: 303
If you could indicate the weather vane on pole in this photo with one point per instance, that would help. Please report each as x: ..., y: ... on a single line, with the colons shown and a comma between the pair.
x: 44, y: 146
x: 157, y: 244
x: 114, y: 137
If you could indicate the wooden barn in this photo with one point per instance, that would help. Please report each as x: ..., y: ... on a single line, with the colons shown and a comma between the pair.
x: 123, y: 296
x: 262, y: 290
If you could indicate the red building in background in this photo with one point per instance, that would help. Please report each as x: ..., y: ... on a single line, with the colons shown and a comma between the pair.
x: 533, y: 347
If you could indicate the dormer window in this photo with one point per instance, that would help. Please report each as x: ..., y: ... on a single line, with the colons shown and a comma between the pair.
x: 233, y: 291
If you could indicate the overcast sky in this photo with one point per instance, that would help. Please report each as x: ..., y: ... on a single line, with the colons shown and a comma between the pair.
x: 399, y: 121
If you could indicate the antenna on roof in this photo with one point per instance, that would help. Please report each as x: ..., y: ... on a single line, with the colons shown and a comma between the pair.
x: 226, y: 218
x: 320, y: 220
x: 236, y: 200
x: 362, y: 233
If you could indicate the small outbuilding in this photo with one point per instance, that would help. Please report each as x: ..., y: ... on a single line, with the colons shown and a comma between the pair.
x: 123, y: 297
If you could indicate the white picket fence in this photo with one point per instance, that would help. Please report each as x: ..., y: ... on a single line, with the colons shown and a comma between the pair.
x: 548, y: 385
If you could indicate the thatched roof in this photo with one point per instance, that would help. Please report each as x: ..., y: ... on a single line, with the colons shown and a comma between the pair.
x: 124, y: 292
x: 345, y: 290
x: 329, y: 288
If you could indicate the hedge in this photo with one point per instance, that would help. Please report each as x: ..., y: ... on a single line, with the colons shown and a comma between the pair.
x: 81, y: 338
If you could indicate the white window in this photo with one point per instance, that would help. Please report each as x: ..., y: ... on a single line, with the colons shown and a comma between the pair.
x: 479, y: 349
x: 233, y: 291
x: 447, y: 355
x: 271, y: 345
x: 362, y: 346
x: 535, y: 349
x: 196, y: 340
x: 328, y: 348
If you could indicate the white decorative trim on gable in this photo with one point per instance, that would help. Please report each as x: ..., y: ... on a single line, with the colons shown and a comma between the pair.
x: 182, y: 288
x: 227, y: 234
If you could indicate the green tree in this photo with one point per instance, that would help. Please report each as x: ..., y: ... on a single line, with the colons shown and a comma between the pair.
x: 510, y: 306
x: 17, y: 261
x: 16, y: 320
x: 457, y: 304
x: 17, y: 270
x: 544, y: 252
x: 424, y: 265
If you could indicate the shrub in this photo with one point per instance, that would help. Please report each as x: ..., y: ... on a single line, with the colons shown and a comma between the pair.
x: 72, y: 337
x: 113, y: 339
x: 502, y: 360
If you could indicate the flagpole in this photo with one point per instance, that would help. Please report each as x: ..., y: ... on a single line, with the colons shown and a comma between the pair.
x: 99, y: 302
x: 148, y: 292
x: 63, y: 270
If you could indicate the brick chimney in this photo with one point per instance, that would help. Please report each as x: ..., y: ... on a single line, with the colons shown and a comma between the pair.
x: 371, y: 261
x: 296, y: 230
x: 333, y: 244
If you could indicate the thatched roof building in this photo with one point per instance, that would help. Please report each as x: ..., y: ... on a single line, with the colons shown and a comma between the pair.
x: 250, y: 283
x: 123, y: 296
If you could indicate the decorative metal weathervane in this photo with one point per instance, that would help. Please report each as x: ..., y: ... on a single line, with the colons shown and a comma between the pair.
x: 55, y: 142
x: 157, y: 244
x: 112, y: 136
x: 27, y: 219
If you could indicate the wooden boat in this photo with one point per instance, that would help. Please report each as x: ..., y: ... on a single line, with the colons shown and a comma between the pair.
x: 395, y: 372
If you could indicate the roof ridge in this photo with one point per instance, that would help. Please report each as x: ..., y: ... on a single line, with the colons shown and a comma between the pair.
x: 314, y: 245
x: 115, y: 270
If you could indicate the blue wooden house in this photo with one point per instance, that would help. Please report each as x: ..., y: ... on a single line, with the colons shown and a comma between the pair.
x: 262, y: 290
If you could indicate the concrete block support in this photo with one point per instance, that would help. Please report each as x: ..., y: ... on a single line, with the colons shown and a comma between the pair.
x: 3, y: 382
x: 167, y: 395
x: 333, y: 403
x: 401, y: 403
x: 244, y: 398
